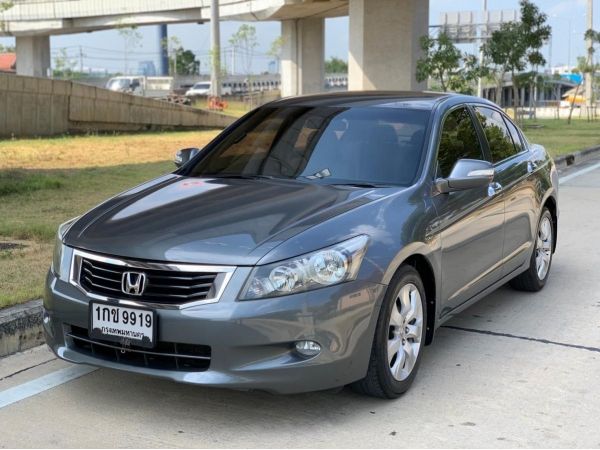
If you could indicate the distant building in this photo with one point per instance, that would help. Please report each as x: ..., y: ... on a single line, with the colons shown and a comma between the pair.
x: 8, y: 62
x: 550, y: 94
x: 147, y: 68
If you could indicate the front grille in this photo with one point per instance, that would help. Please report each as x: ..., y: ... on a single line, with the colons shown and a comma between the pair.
x: 162, y: 286
x: 165, y: 356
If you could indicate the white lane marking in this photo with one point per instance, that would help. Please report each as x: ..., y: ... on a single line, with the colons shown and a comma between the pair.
x: 578, y: 173
x: 41, y: 384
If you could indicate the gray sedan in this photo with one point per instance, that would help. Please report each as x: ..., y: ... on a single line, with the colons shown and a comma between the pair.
x: 317, y: 242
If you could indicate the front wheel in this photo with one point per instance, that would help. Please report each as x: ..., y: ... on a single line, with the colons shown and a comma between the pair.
x: 534, y: 278
x: 399, y: 337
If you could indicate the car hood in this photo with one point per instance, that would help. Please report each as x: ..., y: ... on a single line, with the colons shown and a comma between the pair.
x: 209, y: 221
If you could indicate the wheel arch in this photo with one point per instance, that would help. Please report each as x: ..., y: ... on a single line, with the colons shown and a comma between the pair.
x: 552, y: 206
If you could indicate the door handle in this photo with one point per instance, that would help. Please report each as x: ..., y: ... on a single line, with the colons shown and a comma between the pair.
x: 494, y: 188
x: 531, y: 166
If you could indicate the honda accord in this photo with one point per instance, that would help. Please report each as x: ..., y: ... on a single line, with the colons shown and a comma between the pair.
x: 317, y: 242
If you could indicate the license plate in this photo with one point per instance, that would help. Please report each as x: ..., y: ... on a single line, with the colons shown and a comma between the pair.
x: 127, y: 325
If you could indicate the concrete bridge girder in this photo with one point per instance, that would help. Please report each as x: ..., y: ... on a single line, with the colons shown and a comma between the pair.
x: 383, y: 43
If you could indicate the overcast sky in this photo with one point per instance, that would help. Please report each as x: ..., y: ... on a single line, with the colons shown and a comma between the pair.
x: 105, y: 49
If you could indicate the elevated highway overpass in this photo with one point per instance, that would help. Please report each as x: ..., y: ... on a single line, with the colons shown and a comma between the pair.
x: 383, y: 34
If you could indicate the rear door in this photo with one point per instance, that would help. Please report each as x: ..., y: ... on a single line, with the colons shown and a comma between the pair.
x: 470, y: 222
x: 513, y: 167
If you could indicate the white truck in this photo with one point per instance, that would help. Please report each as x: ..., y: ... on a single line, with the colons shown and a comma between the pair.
x: 152, y: 87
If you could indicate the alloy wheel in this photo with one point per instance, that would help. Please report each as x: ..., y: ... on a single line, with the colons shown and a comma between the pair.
x: 543, y: 249
x: 405, y: 330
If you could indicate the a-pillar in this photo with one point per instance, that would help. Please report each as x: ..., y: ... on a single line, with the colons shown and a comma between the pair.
x: 302, y: 56
x: 384, y: 43
x: 33, y: 55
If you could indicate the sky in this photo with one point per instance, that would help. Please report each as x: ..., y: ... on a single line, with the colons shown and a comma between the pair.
x: 105, y: 49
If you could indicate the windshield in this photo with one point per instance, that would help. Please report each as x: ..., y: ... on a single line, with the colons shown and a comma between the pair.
x: 120, y: 83
x: 334, y: 145
x: 202, y: 86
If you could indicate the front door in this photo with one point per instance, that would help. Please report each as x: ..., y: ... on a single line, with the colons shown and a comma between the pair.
x: 513, y: 166
x: 471, y: 222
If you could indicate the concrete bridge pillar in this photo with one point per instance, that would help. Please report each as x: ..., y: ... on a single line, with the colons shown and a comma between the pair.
x: 302, y: 56
x: 384, y: 43
x: 33, y: 55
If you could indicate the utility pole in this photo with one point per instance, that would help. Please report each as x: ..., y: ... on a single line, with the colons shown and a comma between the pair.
x: 215, y: 75
x: 80, y: 60
x: 480, y: 80
x: 589, y: 75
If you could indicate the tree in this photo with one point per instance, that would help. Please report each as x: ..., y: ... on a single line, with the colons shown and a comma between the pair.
x: 7, y: 48
x: 447, y: 65
x: 185, y: 62
x: 518, y: 44
x: 245, y: 41
x: 63, y: 65
x: 275, y: 50
x: 131, y: 39
x: 173, y: 47
x: 336, y: 65
x: 5, y: 5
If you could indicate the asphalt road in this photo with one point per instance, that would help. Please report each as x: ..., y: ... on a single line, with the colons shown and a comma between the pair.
x: 515, y: 370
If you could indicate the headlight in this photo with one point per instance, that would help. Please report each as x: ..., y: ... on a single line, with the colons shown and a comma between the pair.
x: 58, y: 266
x: 326, y: 267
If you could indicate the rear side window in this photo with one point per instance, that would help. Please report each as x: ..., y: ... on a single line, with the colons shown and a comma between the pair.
x: 459, y: 140
x: 516, y: 136
x: 497, y: 134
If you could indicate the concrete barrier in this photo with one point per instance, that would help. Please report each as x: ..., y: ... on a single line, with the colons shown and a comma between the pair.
x: 32, y: 106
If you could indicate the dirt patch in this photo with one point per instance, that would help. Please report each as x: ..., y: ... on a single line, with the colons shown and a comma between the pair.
x: 4, y: 246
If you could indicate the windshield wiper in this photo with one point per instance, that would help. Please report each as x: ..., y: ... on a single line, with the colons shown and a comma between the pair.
x: 238, y: 176
x: 360, y: 185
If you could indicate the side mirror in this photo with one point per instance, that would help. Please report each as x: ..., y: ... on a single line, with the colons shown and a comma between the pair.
x: 184, y: 155
x: 466, y: 174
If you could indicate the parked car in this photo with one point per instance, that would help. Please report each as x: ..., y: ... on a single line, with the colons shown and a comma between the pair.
x: 317, y: 242
x: 203, y: 89
x: 151, y: 87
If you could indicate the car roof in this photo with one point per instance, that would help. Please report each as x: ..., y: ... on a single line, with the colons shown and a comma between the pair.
x: 391, y: 99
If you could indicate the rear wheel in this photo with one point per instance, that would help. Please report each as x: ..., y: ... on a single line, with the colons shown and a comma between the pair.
x: 534, y: 278
x: 399, y: 338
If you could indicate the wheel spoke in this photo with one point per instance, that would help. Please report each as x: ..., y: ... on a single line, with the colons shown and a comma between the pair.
x: 414, y: 331
x: 398, y: 365
x: 396, y: 318
x: 394, y: 345
x: 410, y: 357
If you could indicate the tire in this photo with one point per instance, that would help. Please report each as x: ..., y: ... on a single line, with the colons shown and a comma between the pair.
x: 534, y: 278
x: 391, y: 377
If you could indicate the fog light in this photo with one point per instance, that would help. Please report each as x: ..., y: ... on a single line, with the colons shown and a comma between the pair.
x: 308, y: 348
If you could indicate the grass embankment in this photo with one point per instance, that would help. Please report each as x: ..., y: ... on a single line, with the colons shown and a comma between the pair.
x: 560, y: 138
x: 44, y: 182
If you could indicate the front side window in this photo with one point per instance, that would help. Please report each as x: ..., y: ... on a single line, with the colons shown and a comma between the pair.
x: 458, y: 140
x: 330, y: 145
x: 497, y: 134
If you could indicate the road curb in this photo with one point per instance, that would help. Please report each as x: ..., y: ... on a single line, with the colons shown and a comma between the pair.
x: 21, y: 327
x: 564, y: 161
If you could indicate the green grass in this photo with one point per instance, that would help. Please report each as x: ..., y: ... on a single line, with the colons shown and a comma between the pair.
x: 44, y: 182
x: 560, y: 138
x: 20, y: 182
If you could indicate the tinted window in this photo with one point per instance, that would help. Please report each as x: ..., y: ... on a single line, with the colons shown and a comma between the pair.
x: 516, y: 136
x: 497, y: 134
x: 459, y: 140
x: 322, y: 145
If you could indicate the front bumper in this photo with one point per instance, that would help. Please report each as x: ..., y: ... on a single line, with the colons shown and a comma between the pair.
x: 251, y: 342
